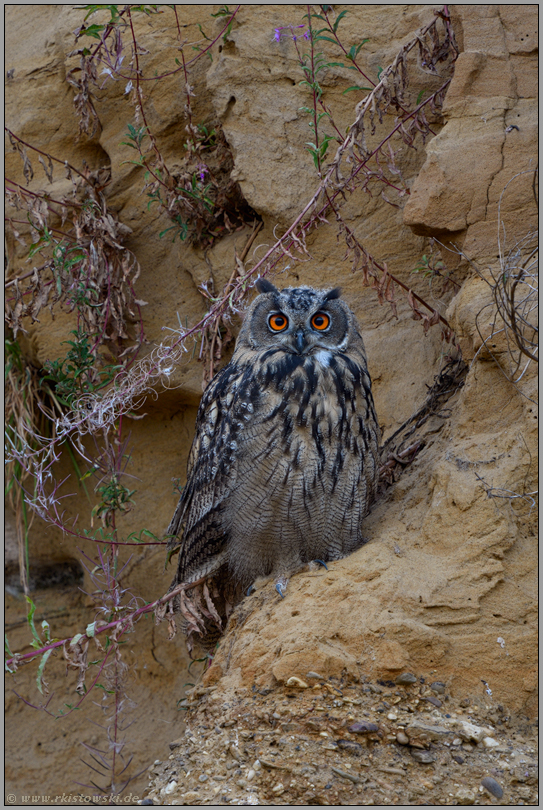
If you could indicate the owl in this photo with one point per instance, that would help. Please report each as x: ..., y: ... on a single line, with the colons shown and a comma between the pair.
x: 284, y: 464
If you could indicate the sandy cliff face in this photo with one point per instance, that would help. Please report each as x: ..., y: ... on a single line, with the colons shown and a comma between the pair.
x: 446, y: 583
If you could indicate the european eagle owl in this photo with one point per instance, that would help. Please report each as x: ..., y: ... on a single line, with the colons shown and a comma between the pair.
x: 284, y: 463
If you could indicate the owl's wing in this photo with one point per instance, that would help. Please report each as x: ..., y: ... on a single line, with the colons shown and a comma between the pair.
x: 196, y: 525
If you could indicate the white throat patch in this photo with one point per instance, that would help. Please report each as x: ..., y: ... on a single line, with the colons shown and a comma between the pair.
x: 323, y: 357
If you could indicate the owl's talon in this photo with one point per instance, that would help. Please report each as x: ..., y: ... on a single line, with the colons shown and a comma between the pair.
x: 250, y: 589
x: 320, y: 562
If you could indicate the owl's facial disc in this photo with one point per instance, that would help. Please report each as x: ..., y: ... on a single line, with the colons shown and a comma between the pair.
x: 300, y: 321
x: 300, y: 335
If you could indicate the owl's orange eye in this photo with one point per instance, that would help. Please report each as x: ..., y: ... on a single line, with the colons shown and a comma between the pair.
x: 320, y: 321
x: 278, y: 322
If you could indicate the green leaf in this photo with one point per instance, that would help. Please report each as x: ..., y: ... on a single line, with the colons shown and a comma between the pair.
x: 419, y: 97
x: 7, y: 649
x: 196, y: 661
x: 327, y: 39
x: 352, y: 53
x: 107, y: 691
x: 355, y: 87
x: 7, y: 652
x: 92, y: 7
x: 379, y: 71
x: 39, y: 675
x: 315, y: 155
x: 202, y: 32
x: 92, y: 31
x: 338, y: 19
x: 224, y: 11
x: 37, y: 643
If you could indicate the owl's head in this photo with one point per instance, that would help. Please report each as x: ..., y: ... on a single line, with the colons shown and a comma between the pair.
x: 298, y: 320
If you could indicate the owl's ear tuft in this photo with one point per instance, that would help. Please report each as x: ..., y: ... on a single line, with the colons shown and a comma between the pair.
x: 265, y: 286
x: 335, y: 293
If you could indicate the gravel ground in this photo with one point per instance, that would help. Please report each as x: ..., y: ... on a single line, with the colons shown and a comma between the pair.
x: 331, y: 743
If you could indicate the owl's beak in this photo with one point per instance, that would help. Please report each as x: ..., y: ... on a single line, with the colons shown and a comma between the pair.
x: 300, y: 341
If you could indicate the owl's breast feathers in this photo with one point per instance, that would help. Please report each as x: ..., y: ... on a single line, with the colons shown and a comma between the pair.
x: 285, y: 444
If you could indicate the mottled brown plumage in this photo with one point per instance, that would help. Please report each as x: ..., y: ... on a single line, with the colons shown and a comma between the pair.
x: 284, y: 464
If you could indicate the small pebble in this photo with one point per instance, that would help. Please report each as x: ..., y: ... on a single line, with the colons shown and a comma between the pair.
x: 251, y: 775
x: 256, y: 765
x: 314, y: 675
x: 434, y: 701
x: 363, y: 728
x: 424, y: 757
x: 457, y: 758
x: 392, y: 716
x: 241, y: 783
x: 465, y: 796
x: 402, y: 738
x: 457, y: 741
x: 464, y: 703
x: 492, y: 786
x: 490, y: 742
x: 438, y: 687
x: 524, y: 792
x: 171, y: 787
x: 350, y: 776
x: 333, y: 690
x: 406, y: 678
x: 348, y: 745
x: 469, y: 731
x: 190, y: 797
x: 278, y: 788
x: 203, y: 778
x: 297, y: 682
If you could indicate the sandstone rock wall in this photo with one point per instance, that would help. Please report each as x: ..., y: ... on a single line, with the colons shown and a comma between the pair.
x: 448, y: 570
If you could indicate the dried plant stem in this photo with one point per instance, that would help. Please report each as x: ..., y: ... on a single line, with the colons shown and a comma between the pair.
x: 120, y: 624
x: 47, y: 155
x: 129, y: 387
